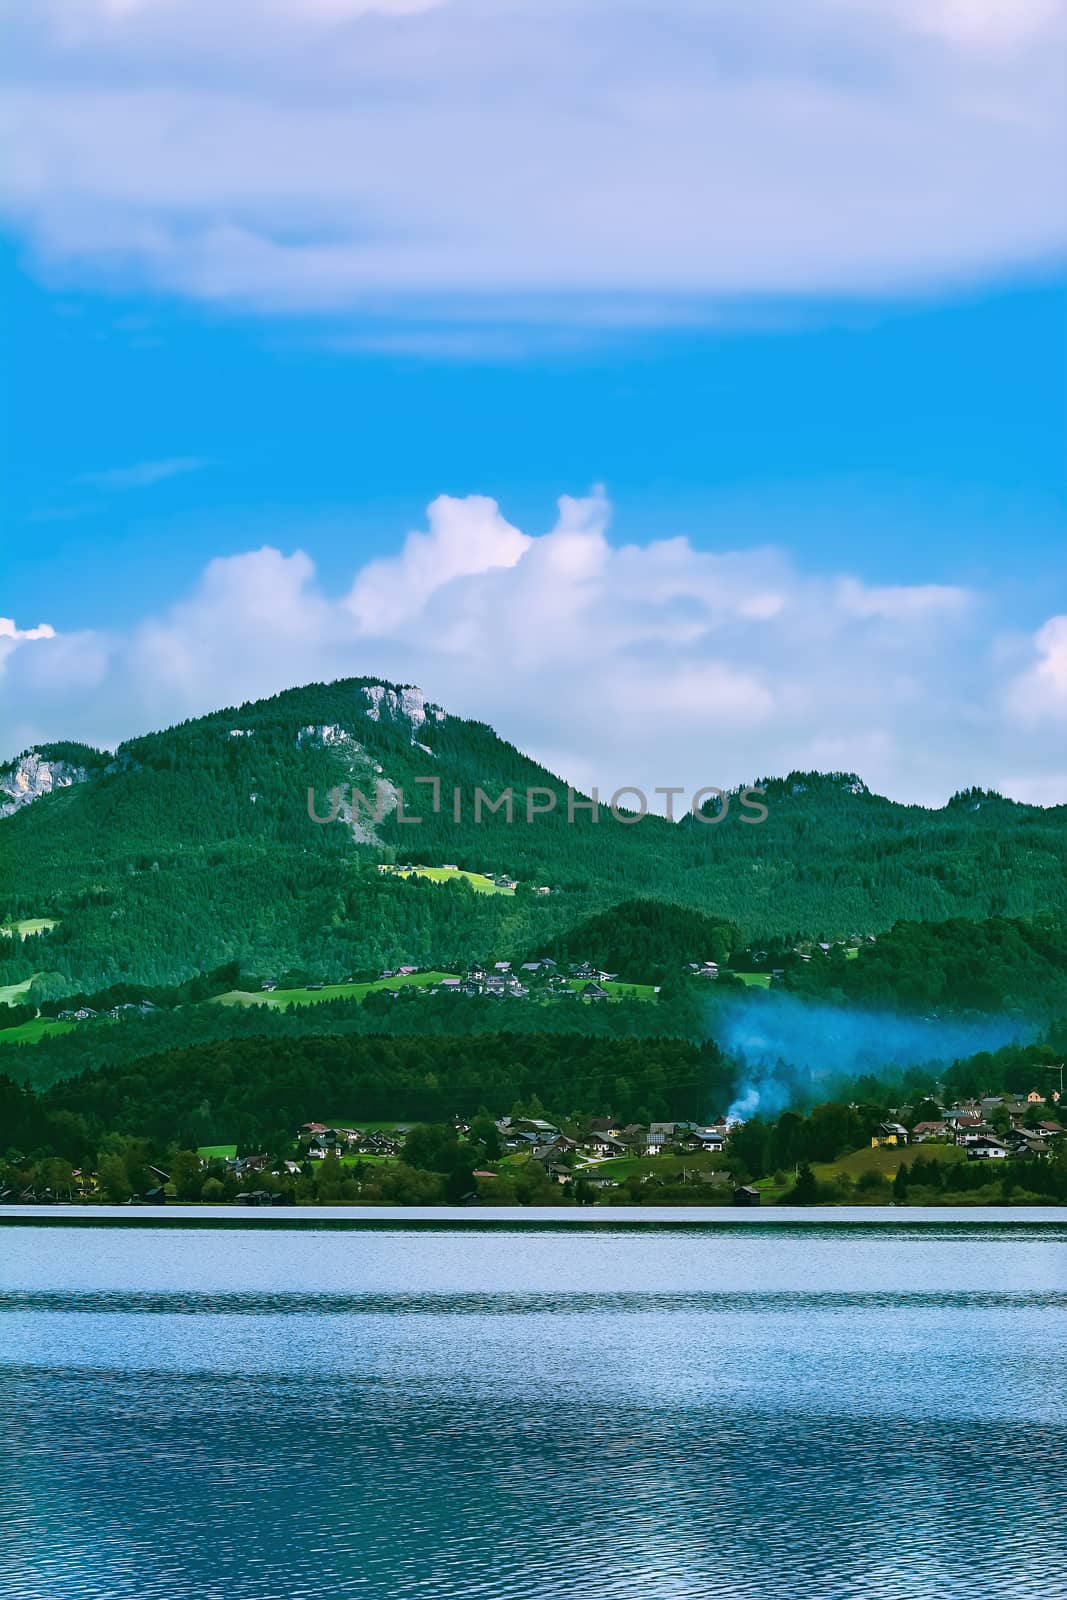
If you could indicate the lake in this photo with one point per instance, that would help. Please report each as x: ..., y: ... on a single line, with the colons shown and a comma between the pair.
x: 839, y: 1406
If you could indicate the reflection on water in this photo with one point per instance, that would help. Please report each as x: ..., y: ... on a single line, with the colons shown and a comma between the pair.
x: 682, y: 1413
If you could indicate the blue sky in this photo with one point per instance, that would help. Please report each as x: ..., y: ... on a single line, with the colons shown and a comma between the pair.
x: 821, y: 383
x: 910, y: 441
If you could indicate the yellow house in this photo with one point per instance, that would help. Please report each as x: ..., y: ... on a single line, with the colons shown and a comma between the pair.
x: 888, y: 1133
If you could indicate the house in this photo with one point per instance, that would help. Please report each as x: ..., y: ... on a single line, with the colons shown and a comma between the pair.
x: 746, y: 1195
x: 889, y: 1133
x: 981, y: 1148
x: 593, y: 991
x: 603, y: 1144
x: 929, y: 1130
x: 582, y: 970
x: 1031, y: 1149
x: 268, y: 986
x: 548, y: 1153
x: 1035, y: 1099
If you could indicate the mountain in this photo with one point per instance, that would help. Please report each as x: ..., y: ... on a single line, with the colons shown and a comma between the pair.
x: 193, y: 847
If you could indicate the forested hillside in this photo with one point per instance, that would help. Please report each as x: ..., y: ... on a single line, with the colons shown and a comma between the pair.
x: 996, y: 965
x: 647, y: 941
x: 259, y: 1091
x: 104, y: 1044
x: 193, y: 847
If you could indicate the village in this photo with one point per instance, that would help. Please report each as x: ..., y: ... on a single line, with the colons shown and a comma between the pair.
x: 541, y: 979
x: 599, y: 1160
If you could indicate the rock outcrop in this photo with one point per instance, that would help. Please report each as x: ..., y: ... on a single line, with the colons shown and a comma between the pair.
x: 32, y: 776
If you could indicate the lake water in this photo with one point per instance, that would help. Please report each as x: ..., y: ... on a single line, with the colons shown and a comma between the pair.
x: 740, y: 1408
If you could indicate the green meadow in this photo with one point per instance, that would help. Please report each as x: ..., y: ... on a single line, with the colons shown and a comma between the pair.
x: 477, y: 880
x: 283, y: 998
x: 618, y: 989
x: 31, y: 1032
x: 12, y: 994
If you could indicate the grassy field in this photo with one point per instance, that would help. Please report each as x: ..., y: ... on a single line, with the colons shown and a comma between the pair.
x: 665, y: 1166
x: 755, y: 980
x: 223, y: 1152
x: 477, y: 880
x: 11, y: 994
x: 31, y: 1032
x: 284, y: 998
x: 27, y: 926
x: 617, y: 989
x: 888, y: 1159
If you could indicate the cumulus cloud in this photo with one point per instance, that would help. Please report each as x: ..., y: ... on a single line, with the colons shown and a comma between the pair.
x: 1040, y: 692
x: 388, y: 153
x: 650, y: 664
x: 466, y: 537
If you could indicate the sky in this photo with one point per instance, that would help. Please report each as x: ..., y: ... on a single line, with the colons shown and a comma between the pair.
x: 678, y: 388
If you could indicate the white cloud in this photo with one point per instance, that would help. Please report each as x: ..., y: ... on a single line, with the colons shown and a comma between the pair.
x: 650, y: 664
x: 1040, y: 692
x: 143, y: 474
x: 11, y: 637
x: 466, y: 537
x: 386, y: 155
x: 1042, y: 789
x: 8, y: 630
x: 900, y: 603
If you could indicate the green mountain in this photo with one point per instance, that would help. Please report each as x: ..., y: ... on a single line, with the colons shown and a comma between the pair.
x: 193, y: 847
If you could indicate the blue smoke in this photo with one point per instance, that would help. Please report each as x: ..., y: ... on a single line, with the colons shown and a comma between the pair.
x: 788, y: 1050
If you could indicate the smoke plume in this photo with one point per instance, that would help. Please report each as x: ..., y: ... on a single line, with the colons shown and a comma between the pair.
x: 789, y: 1052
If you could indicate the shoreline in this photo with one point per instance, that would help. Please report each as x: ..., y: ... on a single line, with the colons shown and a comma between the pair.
x: 524, y: 1217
